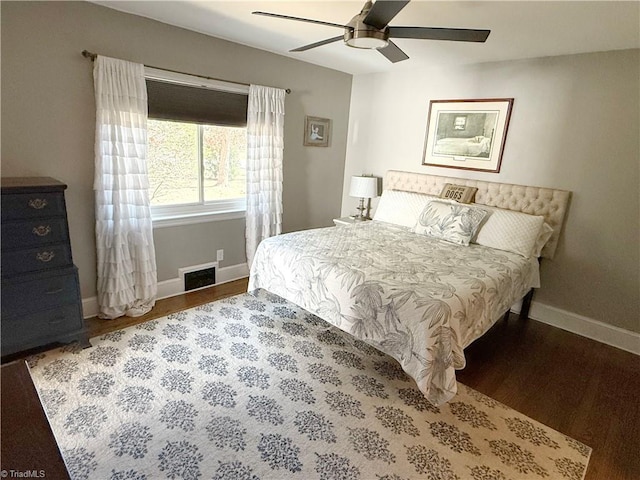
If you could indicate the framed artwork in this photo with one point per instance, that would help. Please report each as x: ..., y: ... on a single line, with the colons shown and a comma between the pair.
x: 317, y: 131
x: 467, y: 134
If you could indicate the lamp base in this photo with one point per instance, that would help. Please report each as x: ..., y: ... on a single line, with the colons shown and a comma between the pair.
x: 360, y: 216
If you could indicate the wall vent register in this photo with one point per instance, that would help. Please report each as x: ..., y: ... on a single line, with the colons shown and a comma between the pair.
x: 199, y: 279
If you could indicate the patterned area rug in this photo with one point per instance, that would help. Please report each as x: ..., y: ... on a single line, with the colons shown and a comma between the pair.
x: 253, y: 387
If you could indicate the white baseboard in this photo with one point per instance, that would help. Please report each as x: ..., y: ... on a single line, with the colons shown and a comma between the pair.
x: 175, y: 286
x: 556, y: 317
x: 584, y: 326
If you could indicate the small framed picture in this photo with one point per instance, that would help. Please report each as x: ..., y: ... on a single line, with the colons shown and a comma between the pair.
x: 316, y: 131
x: 467, y: 134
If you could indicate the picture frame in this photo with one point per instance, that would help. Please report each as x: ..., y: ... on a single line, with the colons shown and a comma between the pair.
x: 467, y: 134
x: 317, y: 131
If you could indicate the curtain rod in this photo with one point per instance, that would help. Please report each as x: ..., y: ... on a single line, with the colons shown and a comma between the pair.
x: 92, y: 56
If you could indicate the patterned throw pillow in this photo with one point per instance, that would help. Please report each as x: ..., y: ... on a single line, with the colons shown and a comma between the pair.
x: 449, y: 221
x: 459, y: 193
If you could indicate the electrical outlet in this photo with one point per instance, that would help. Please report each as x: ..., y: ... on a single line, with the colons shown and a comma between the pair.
x: 220, y: 255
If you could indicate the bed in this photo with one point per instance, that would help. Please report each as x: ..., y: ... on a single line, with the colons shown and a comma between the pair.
x: 416, y: 297
x: 472, y: 147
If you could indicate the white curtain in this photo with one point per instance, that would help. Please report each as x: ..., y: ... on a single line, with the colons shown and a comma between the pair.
x: 265, y: 145
x: 126, y: 263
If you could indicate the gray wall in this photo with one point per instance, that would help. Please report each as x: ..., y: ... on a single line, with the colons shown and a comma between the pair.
x: 48, y: 118
x: 574, y: 126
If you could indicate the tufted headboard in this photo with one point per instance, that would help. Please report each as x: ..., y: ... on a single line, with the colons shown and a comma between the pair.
x: 552, y: 204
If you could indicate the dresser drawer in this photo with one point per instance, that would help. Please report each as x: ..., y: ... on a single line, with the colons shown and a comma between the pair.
x: 32, y: 205
x: 39, y: 328
x: 34, y: 259
x: 34, y: 232
x: 50, y: 291
x: 40, y: 296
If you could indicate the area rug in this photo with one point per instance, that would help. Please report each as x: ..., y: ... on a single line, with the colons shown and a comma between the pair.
x: 253, y: 387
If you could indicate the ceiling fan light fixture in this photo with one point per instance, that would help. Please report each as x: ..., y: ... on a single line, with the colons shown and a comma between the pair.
x: 370, y: 30
x: 366, y: 38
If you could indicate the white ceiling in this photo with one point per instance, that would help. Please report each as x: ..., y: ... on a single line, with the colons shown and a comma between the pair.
x: 519, y: 29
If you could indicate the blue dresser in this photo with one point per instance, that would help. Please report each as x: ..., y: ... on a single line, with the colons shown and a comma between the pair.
x: 40, y: 293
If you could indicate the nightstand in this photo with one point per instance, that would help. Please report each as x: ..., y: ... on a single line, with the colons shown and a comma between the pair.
x: 347, y: 221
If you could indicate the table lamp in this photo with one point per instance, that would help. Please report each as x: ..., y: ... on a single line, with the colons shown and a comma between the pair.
x: 363, y: 187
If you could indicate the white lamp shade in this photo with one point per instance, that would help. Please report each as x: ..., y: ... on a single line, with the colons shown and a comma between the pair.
x: 364, y: 187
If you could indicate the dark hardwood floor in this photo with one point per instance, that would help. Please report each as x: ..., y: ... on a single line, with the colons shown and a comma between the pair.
x: 96, y: 326
x: 582, y: 388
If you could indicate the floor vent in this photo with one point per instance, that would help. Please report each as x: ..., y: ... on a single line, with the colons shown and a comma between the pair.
x: 199, y: 278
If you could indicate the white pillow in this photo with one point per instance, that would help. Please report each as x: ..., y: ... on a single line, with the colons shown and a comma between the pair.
x: 511, y: 231
x: 543, y: 237
x: 401, y: 208
x: 450, y: 221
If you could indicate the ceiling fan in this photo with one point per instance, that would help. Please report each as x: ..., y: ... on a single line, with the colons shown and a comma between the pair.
x: 370, y: 29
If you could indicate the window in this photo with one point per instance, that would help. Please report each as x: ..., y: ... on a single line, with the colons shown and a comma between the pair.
x: 193, y: 164
x: 196, y: 154
x: 460, y: 123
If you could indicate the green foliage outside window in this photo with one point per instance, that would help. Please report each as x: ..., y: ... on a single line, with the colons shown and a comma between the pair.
x: 181, y: 155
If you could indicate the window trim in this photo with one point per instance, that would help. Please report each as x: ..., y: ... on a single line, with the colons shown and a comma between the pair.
x: 193, y: 81
x: 217, y: 210
x: 197, y: 213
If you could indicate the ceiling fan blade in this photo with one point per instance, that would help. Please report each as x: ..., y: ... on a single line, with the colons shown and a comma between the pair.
x: 299, y: 19
x: 383, y: 11
x: 393, y: 53
x: 432, y: 33
x: 317, y: 44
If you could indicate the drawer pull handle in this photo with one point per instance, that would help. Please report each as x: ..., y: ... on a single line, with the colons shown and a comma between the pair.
x: 38, y: 203
x: 55, y: 321
x: 53, y: 292
x: 45, y: 256
x: 41, y: 231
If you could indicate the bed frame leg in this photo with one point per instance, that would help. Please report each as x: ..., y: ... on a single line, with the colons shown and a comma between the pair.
x: 526, y: 305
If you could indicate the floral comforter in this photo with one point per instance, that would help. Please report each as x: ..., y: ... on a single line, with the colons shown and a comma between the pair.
x: 418, y: 299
